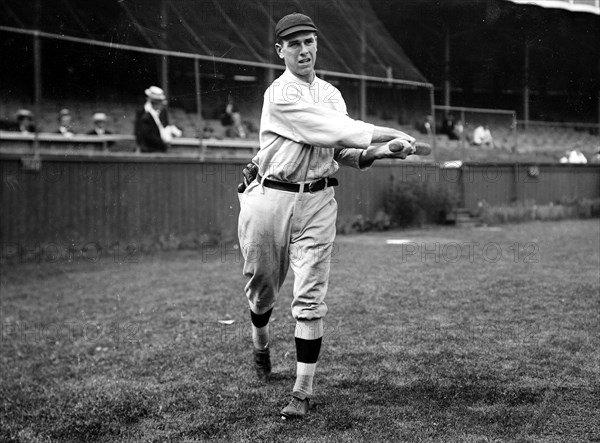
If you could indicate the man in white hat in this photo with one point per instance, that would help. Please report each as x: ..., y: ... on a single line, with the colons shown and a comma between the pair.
x: 65, y: 123
x: 25, y: 121
x: 99, y: 129
x: 99, y: 119
x: 152, y: 130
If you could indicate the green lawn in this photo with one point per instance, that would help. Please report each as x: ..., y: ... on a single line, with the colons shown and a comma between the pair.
x: 466, y: 335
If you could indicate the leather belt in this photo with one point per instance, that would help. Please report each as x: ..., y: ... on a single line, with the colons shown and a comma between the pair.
x: 317, y: 185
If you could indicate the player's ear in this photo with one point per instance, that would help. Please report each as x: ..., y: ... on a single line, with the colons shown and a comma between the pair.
x: 278, y: 49
x: 316, y: 47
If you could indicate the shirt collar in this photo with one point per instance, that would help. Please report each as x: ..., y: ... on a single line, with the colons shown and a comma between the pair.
x: 290, y: 76
x: 150, y: 109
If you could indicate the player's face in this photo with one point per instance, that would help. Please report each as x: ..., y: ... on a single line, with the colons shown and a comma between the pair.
x: 299, y: 52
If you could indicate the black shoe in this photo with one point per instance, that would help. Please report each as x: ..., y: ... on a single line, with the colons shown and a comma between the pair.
x: 262, y: 363
x: 297, y: 408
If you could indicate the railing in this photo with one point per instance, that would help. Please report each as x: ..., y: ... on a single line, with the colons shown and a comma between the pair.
x: 19, y: 143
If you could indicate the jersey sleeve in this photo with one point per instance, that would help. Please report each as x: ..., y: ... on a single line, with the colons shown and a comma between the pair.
x: 349, y: 157
x: 293, y: 115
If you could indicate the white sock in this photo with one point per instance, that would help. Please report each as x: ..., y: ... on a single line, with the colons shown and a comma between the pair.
x: 305, y: 373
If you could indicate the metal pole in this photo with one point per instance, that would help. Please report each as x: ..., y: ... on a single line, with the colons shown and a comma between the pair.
x: 515, y: 136
x: 363, y: 82
x: 447, y: 70
x: 598, y: 89
x: 164, y: 58
x: 526, y: 87
x: 37, y: 80
x: 202, y: 148
x: 198, y: 95
x: 462, y: 135
x: 433, y: 124
x: 37, y: 75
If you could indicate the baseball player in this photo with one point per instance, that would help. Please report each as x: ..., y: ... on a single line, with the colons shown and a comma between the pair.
x: 288, y: 210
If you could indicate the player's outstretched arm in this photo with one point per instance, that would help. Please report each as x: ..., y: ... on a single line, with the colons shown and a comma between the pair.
x: 381, y: 134
x: 398, y: 148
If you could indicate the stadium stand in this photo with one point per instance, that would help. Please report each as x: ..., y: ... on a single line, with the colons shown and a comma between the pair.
x: 540, y: 141
x: 221, y: 29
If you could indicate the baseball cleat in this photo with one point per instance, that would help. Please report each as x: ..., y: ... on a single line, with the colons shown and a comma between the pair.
x: 297, y: 408
x: 262, y: 363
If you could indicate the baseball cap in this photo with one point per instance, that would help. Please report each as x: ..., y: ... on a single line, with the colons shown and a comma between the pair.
x: 294, y: 23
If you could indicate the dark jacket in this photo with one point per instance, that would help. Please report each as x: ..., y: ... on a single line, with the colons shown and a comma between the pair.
x: 147, y: 134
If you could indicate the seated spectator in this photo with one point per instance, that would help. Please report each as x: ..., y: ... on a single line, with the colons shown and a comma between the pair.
x: 208, y: 132
x: 25, y: 121
x: 65, y: 125
x: 99, y: 119
x: 99, y: 129
x: 425, y: 125
x: 232, y: 120
x: 152, y: 130
x: 457, y: 130
x: 575, y: 156
x: 483, y: 137
x: 450, y: 127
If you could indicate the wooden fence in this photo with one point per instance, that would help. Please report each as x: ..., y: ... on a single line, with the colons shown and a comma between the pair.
x: 128, y: 198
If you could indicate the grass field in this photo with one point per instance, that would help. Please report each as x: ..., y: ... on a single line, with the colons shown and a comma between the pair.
x: 445, y: 335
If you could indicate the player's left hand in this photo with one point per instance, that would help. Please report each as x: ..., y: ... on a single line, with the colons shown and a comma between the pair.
x: 400, y: 148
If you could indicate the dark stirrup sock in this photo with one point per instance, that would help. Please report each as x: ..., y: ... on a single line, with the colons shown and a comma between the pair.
x: 308, y: 337
x: 260, y: 329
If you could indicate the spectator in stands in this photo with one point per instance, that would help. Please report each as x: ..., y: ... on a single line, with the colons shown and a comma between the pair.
x: 65, y: 123
x: 99, y: 129
x: 208, y: 132
x: 25, y: 121
x: 482, y: 136
x: 425, y: 125
x: 99, y: 119
x: 450, y: 127
x: 152, y: 130
x: 232, y: 120
x: 457, y: 130
x: 574, y: 156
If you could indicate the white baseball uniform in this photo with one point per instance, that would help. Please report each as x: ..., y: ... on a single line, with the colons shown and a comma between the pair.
x: 304, y: 134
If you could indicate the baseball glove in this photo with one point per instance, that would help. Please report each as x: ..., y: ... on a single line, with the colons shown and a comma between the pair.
x: 248, y: 175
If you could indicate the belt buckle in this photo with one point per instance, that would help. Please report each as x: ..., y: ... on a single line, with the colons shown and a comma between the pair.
x: 317, y: 185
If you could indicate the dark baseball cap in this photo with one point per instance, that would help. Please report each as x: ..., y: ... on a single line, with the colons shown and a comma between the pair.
x: 295, y: 22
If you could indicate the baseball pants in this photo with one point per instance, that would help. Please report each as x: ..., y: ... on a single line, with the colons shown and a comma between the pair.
x: 278, y: 229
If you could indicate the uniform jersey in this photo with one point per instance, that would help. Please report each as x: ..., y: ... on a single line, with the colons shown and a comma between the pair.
x: 303, y: 126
